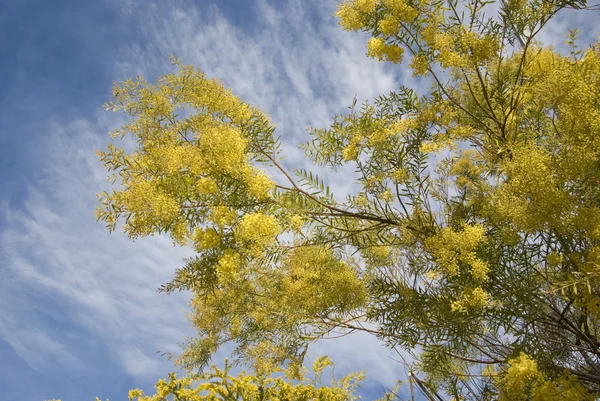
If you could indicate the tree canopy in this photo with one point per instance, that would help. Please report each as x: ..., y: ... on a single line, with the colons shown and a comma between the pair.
x: 472, y: 241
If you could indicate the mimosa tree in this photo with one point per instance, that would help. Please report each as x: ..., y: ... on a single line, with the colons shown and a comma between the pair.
x: 473, y: 241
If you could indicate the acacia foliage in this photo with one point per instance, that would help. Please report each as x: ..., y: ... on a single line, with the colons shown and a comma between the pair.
x: 220, y: 385
x: 473, y: 238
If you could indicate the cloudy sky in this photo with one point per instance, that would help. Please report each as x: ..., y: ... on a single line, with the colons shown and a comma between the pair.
x: 80, y: 314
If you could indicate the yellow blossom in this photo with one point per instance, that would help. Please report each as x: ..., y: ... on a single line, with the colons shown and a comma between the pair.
x: 400, y: 9
x: 259, y: 184
x: 229, y: 266
x: 258, y: 229
x: 419, y: 64
x: 386, y: 195
x: 206, y: 186
x: 222, y: 215
x: 296, y: 223
x: 389, y: 25
x: 377, y: 48
x: 473, y: 300
x: 205, y: 239
x: 350, y: 17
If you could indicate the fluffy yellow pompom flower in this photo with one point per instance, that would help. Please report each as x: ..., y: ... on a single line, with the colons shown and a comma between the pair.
x: 474, y: 300
x: 522, y: 371
x: 224, y: 149
x: 206, y: 186
x: 257, y: 229
x: 450, y: 247
x: 350, y: 18
x: 378, y: 49
x: 419, y: 65
x: 222, y: 215
x: 296, y: 222
x: 365, y: 6
x: 350, y: 152
x: 389, y: 25
x: 386, y: 195
x: 259, y: 184
x: 400, y: 9
x: 206, y: 239
x: 228, y: 266
x: 353, y: 14
x: 135, y: 393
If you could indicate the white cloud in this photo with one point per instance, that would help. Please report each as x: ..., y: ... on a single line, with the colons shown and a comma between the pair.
x: 555, y: 32
x: 108, y: 283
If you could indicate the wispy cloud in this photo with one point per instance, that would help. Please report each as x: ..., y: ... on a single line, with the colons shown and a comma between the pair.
x: 103, y: 282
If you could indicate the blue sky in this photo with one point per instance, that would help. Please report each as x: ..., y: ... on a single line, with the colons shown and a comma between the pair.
x: 81, y: 317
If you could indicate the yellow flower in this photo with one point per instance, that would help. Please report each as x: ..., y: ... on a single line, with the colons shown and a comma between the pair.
x: 386, y: 195
x: 258, y: 183
x: 419, y: 65
x: 400, y: 9
x: 350, y: 152
x: 378, y: 49
x: 135, y: 393
x: 205, y: 239
x: 229, y: 266
x: 206, y: 186
x: 389, y: 25
x: 400, y: 175
x: 222, y: 215
x: 350, y: 18
x: 297, y: 222
x: 365, y: 6
x: 258, y: 230
x: 475, y: 299
x: 479, y: 270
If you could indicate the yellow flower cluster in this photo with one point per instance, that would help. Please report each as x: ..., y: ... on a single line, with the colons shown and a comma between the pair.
x: 530, y: 197
x: 351, y: 151
x: 389, y: 25
x: 522, y: 371
x: 351, y: 18
x: 222, y: 215
x: 475, y: 299
x: 386, y: 195
x: 223, y: 149
x: 523, y: 381
x: 206, y: 239
x: 444, y: 44
x: 380, y: 136
x: 449, y: 247
x: 178, y: 161
x: 316, y: 281
x: 296, y: 222
x: 480, y: 48
x: 258, y: 230
x: 174, y: 158
x: 380, y: 252
x: 400, y: 9
x: 435, y: 146
x: 400, y: 175
x: 218, y: 384
x: 258, y: 183
x: 151, y: 205
x: 419, y: 64
x: 378, y: 49
x: 466, y: 170
x: 206, y: 186
x: 229, y: 266
x: 365, y: 6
